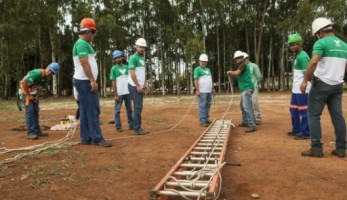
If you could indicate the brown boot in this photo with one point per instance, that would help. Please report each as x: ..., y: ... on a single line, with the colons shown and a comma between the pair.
x: 339, y: 153
x: 313, y: 153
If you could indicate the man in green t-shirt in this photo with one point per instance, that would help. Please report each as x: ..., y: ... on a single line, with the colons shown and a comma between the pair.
x: 84, y: 80
x: 326, y: 69
x: 256, y: 77
x: 246, y: 87
x: 119, y: 77
x: 203, y: 89
x: 31, y: 87
x: 137, y: 83
x: 298, y: 103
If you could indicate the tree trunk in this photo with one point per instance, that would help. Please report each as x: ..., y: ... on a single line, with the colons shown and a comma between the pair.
x: 260, y: 35
x: 55, y: 82
x: 218, y: 62
x: 269, y: 67
x: 281, y: 75
x: 224, y: 61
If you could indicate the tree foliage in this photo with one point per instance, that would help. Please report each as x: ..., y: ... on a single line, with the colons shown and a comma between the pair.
x: 34, y: 33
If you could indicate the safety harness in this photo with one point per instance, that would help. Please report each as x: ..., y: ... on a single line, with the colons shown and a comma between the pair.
x: 32, y: 91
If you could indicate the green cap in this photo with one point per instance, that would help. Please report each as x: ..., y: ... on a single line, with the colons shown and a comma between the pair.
x: 294, y: 38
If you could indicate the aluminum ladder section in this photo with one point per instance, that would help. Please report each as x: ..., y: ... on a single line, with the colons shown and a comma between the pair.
x: 208, y: 151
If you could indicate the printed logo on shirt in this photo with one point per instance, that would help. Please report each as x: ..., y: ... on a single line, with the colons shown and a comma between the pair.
x: 142, y: 62
x: 206, y: 72
x: 122, y: 71
x: 337, y: 43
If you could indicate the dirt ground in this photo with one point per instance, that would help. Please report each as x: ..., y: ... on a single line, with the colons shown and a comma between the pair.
x: 271, y: 164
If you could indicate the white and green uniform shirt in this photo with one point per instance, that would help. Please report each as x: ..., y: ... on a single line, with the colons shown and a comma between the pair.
x: 203, y: 75
x: 300, y: 66
x: 255, y: 71
x: 83, y: 49
x: 120, y: 75
x: 137, y: 63
x: 331, y: 67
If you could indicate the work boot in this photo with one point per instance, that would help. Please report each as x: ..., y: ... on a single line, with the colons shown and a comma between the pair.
x: 104, y: 143
x: 204, y: 125
x: 258, y: 122
x: 242, y: 125
x: 141, y: 132
x: 291, y: 133
x: 119, y: 129
x: 32, y: 137
x: 42, y: 134
x: 313, y: 153
x: 302, y: 137
x: 251, y: 129
x: 338, y: 152
x: 209, y: 122
x: 130, y: 128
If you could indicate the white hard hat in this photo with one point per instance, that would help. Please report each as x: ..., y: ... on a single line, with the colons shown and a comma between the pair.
x: 245, y: 55
x: 203, y: 57
x: 238, y: 54
x: 141, y: 42
x: 321, y: 23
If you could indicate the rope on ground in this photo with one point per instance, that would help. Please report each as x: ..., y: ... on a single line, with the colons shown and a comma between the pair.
x: 36, y: 149
x: 163, y: 131
x: 195, y: 177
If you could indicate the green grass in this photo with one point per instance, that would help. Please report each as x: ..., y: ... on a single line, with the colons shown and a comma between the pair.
x: 155, y: 120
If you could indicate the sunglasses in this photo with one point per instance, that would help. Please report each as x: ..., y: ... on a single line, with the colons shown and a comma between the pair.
x: 93, y: 32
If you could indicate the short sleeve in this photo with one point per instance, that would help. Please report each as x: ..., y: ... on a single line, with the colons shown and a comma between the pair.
x: 132, y: 62
x: 318, y: 48
x: 82, y: 50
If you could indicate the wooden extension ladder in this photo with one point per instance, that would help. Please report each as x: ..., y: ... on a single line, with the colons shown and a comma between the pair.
x: 197, y: 174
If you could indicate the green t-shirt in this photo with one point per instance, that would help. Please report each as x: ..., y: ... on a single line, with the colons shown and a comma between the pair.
x: 300, y: 66
x: 137, y: 63
x: 36, y: 78
x: 83, y: 49
x: 255, y: 72
x: 331, y: 67
x: 204, y: 77
x: 245, y: 79
x: 120, y: 74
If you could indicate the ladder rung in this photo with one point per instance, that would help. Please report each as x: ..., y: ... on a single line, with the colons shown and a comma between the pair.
x: 190, y: 173
x: 184, y: 193
x: 201, y: 159
x: 204, y: 153
x: 189, y: 165
x: 188, y: 184
x: 208, y: 148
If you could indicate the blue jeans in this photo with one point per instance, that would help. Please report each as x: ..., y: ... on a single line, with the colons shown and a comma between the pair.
x: 298, y: 113
x: 321, y: 94
x: 117, y: 109
x: 204, y: 107
x: 90, y: 131
x: 138, y: 106
x: 32, y: 116
x: 247, y: 108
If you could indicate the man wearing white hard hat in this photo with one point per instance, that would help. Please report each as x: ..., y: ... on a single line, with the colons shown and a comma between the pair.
x: 256, y: 77
x: 137, y: 83
x: 246, y: 87
x: 203, y: 89
x: 326, y: 69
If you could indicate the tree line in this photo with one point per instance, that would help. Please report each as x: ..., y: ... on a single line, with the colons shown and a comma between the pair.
x: 34, y: 33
